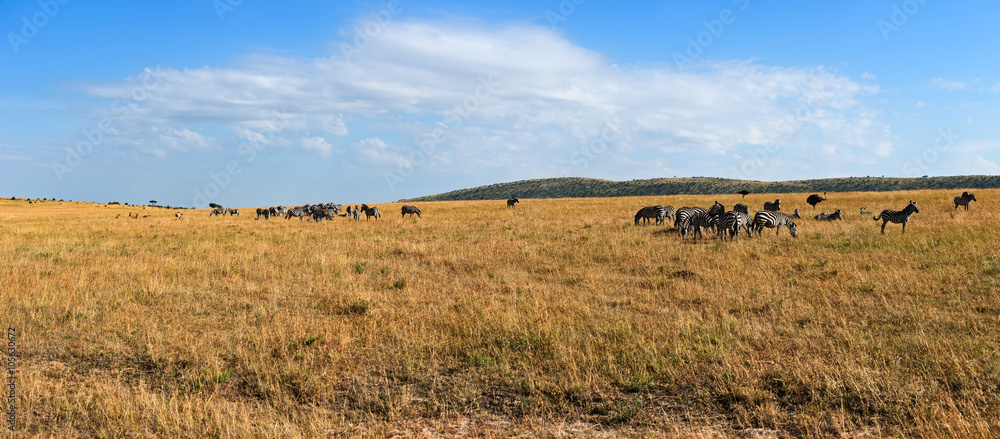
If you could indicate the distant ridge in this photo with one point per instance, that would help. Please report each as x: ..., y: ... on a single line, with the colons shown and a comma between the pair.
x: 574, y: 187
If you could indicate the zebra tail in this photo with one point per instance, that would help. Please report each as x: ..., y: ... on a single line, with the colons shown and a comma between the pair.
x: 876, y: 217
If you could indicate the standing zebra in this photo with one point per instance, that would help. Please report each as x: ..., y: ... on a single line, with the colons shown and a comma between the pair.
x: 771, y: 219
x: 773, y: 207
x: 232, y: 212
x: 370, y: 212
x: 511, y: 202
x: 732, y: 222
x: 656, y: 212
x: 964, y: 200
x: 682, y: 218
x: 897, y: 217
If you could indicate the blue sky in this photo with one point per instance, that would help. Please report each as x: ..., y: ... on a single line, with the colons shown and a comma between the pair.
x: 248, y: 103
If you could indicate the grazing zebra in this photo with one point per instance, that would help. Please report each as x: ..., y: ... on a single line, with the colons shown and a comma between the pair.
x: 262, y: 212
x: 740, y: 207
x: 897, y: 217
x: 218, y: 211
x: 233, y: 212
x: 669, y: 212
x: 511, y: 202
x: 682, y: 218
x: 796, y: 214
x: 964, y: 200
x: 656, y: 212
x: 773, y: 207
x: 411, y: 210
x: 771, y: 219
x: 731, y: 222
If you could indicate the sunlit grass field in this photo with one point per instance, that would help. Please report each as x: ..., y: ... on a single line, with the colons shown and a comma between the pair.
x: 557, y: 318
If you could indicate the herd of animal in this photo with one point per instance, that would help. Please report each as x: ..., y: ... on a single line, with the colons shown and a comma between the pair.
x: 728, y: 224
x: 315, y: 212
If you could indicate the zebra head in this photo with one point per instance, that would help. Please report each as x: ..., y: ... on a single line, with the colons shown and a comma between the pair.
x: 912, y: 207
x: 791, y: 229
x: 971, y: 196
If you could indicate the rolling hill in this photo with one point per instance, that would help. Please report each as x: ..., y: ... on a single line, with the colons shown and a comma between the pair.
x: 574, y: 187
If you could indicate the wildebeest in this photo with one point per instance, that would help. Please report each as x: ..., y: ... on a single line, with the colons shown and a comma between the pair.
x: 511, y: 202
x: 410, y: 210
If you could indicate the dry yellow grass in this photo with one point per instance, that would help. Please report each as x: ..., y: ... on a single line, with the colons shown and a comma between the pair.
x: 557, y: 318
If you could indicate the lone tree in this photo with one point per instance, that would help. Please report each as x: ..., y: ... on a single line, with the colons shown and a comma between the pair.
x: 152, y: 202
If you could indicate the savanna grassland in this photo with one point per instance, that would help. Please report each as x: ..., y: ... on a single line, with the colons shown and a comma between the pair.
x: 557, y: 318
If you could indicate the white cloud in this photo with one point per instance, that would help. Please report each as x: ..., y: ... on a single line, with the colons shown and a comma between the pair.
x: 985, y: 166
x: 317, y: 144
x: 511, y: 95
x: 867, y: 75
x: 944, y: 84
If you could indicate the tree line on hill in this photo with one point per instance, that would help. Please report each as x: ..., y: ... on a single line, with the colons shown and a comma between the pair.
x: 575, y: 187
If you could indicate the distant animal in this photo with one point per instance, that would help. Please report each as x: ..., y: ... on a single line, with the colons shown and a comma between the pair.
x: 773, y: 207
x: 658, y: 213
x: 299, y: 212
x: 815, y: 199
x: 897, y: 217
x: 178, y: 215
x: 218, y: 211
x: 264, y: 212
x: 863, y: 211
x: 410, y: 210
x: 118, y: 216
x: 371, y: 212
x: 820, y: 217
x: 744, y: 193
x: 796, y: 214
x: 233, y: 212
x: 145, y: 216
x: 772, y: 219
x: 511, y: 202
x: 964, y: 199
x: 834, y: 216
x: 356, y: 213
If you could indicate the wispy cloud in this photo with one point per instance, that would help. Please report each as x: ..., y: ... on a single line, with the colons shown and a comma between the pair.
x: 945, y: 84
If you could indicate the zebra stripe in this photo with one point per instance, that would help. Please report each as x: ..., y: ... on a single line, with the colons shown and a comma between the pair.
x: 773, y: 220
x: 964, y: 200
x: 897, y: 217
x: 655, y: 212
x: 682, y: 220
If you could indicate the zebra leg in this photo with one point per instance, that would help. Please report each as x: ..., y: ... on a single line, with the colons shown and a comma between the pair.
x: 883, y: 226
x: 904, y: 227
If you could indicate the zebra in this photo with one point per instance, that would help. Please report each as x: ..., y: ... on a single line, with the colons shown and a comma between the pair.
x: 299, y: 212
x: 897, y: 217
x: 732, y: 222
x: 681, y: 219
x: 262, y: 212
x: 821, y: 217
x: 411, y: 210
x: 716, y: 209
x: 511, y: 202
x: 370, y: 212
x: 740, y: 207
x: 771, y: 219
x: 668, y: 212
x: 773, y: 207
x: 656, y: 212
x: 357, y: 214
x: 834, y: 216
x: 218, y: 211
x: 232, y: 212
x: 964, y: 200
